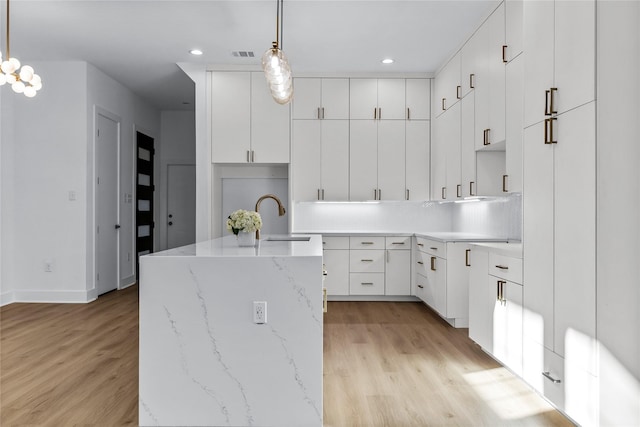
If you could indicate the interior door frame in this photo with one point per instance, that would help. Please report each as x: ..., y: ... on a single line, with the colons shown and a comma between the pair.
x: 165, y: 203
x: 155, y: 207
x: 99, y: 111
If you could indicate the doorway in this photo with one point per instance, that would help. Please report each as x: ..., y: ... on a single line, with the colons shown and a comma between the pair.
x: 181, y: 205
x: 107, y: 207
x: 144, y: 197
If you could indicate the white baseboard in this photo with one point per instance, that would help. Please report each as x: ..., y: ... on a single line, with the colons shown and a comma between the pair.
x: 53, y: 296
x: 6, y: 298
x: 127, y: 281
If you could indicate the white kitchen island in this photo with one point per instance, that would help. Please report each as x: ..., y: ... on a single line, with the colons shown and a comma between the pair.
x: 203, y: 360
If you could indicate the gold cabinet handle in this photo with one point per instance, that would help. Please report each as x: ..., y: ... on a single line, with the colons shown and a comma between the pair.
x: 459, y: 190
x: 379, y: 194
x: 433, y: 263
x: 408, y: 114
x: 325, y: 306
x: 466, y: 257
x: 319, y: 194
x: 366, y: 243
x: 444, y: 193
x: 504, y: 184
x: 420, y: 244
x: 548, y: 376
x: 553, y: 90
x: 471, y: 189
x: 397, y: 243
x: 366, y: 283
x: 375, y: 114
x: 248, y: 157
x: 407, y: 194
x: 420, y: 262
x: 486, y: 137
x: 421, y: 287
x: 433, y: 248
x: 443, y: 104
x: 548, y: 131
x: 318, y: 113
x: 323, y: 194
x: 366, y: 260
x: 322, y: 112
x: 504, y: 53
x: 502, y: 267
x: 498, y: 296
x: 253, y: 156
x: 459, y: 92
x: 472, y: 83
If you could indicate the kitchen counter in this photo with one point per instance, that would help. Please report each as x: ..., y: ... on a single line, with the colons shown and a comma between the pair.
x: 513, y: 249
x: 203, y: 360
x: 435, y: 235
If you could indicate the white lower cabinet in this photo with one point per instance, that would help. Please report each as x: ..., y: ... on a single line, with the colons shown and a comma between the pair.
x: 336, y: 262
x: 441, y: 278
x: 397, y: 270
x: 495, y: 304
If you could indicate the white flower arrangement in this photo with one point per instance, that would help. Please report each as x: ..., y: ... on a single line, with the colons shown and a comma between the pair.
x: 245, y: 221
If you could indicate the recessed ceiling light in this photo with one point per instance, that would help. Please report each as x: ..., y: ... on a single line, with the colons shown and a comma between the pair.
x: 196, y: 52
x: 387, y: 61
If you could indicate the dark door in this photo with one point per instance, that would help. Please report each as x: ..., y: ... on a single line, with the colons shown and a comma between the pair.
x: 144, y: 197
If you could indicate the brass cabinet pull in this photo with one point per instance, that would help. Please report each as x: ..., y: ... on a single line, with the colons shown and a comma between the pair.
x: 323, y: 112
x: 548, y: 376
x: 420, y: 244
x: 397, y: 243
x: 552, y: 107
x: 472, y: 83
x: 504, y: 183
x: 325, y: 306
x: 433, y: 248
x: 318, y: 113
x: 253, y: 156
x: 387, y: 255
x: 548, y: 131
x: 420, y: 262
x: 375, y: 114
x: 375, y: 194
x: 379, y: 113
x: 458, y: 190
x: 504, y: 53
x: 319, y: 194
x: 471, y: 190
x: 502, y: 267
x: 366, y: 260
x: 379, y: 194
x: 421, y: 287
x: 407, y: 194
x: 486, y: 137
x: 443, y: 107
x: 433, y: 263
x: 444, y: 193
x: 323, y: 194
x: 466, y: 257
x: 498, y: 296
x: 500, y: 285
x: 248, y: 157
x: 459, y: 92
x: 366, y: 243
x: 408, y: 114
x: 546, y: 103
x: 366, y: 283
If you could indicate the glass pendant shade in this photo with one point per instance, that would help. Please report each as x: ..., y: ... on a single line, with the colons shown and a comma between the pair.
x: 278, y: 74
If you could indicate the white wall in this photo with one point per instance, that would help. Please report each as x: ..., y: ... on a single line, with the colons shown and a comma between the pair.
x: 47, y: 151
x: 178, y: 146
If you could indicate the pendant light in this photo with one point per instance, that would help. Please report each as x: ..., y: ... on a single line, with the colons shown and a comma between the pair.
x: 22, y: 80
x: 275, y: 65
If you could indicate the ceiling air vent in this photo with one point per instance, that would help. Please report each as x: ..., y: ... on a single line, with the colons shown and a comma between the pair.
x: 243, y: 54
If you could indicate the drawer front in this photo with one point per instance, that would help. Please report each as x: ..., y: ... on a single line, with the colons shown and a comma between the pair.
x: 424, y: 263
x: 361, y: 261
x: 432, y: 247
x: 366, y: 242
x: 420, y: 287
x: 335, y: 242
x: 366, y: 284
x: 403, y: 242
x: 505, y: 267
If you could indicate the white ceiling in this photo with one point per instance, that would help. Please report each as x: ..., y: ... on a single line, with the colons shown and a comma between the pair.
x: 139, y: 42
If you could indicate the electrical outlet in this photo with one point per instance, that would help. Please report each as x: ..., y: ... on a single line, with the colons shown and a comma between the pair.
x: 259, y: 312
x: 48, y: 266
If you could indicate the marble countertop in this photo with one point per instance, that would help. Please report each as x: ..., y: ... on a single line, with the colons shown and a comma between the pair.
x: 228, y: 247
x: 441, y: 236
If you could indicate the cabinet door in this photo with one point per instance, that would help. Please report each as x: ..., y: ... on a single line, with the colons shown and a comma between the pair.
x: 305, y: 166
x: 363, y: 159
x: 513, y: 29
x: 482, y: 88
x: 363, y: 99
x: 306, y: 102
x: 391, y: 160
x: 575, y: 48
x: 398, y: 272
x: 335, y: 99
x: 481, y: 304
x: 447, y: 85
x: 575, y: 230
x: 337, y: 279
x: 418, y: 94
x: 507, y: 323
x: 538, y: 62
x: 230, y: 117
x: 496, y: 75
x: 469, y: 62
x: 467, y: 146
x: 269, y: 124
x: 436, y: 291
x: 457, y: 281
x: 513, y: 130
x: 335, y: 160
x: 438, y: 160
x: 417, y: 159
x: 537, y: 236
x: 391, y: 99
x: 451, y: 138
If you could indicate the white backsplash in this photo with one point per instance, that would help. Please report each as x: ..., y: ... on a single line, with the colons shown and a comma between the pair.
x: 499, y: 217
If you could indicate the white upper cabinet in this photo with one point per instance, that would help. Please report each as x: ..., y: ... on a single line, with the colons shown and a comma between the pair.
x: 377, y: 99
x: 471, y: 61
x: 559, y: 72
x: 418, y: 99
x: 247, y: 125
x: 317, y: 98
x: 391, y: 160
x: 513, y: 28
x: 448, y: 88
x: 230, y: 117
x: 513, y: 129
x: 417, y: 159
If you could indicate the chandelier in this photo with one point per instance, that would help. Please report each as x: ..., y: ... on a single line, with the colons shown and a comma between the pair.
x: 22, y: 79
x: 275, y: 65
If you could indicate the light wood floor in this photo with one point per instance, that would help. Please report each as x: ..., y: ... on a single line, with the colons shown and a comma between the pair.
x: 386, y: 364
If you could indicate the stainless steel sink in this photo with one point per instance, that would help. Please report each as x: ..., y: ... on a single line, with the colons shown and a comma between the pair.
x: 287, y: 238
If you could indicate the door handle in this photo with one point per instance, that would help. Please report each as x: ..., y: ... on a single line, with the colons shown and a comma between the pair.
x: 170, y: 216
x: 117, y: 226
x: 170, y: 222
